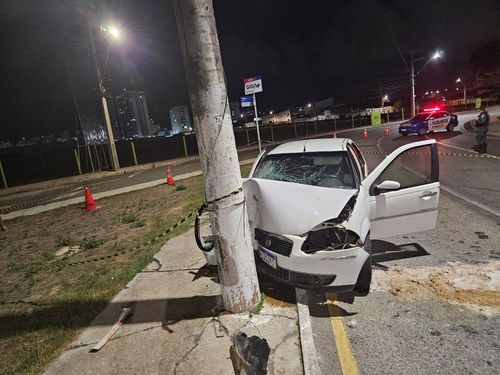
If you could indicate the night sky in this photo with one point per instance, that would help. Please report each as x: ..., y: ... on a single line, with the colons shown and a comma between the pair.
x: 305, y: 51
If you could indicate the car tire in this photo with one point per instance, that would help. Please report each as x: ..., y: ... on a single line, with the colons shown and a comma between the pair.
x: 362, y: 287
x: 404, y: 134
x: 449, y: 128
x: 422, y: 131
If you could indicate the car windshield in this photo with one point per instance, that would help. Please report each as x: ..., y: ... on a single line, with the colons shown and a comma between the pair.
x: 420, y: 117
x: 325, y: 169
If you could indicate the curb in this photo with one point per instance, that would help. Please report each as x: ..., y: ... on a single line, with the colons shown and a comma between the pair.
x: 309, y: 354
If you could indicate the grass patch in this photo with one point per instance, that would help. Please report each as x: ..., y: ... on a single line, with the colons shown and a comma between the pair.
x: 258, y: 307
x: 91, y: 243
x: 43, y: 308
x: 128, y: 217
x: 180, y: 187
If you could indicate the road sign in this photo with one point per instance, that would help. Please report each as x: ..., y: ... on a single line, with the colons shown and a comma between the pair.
x: 246, y: 101
x: 478, y: 102
x: 253, y: 85
x: 376, y: 118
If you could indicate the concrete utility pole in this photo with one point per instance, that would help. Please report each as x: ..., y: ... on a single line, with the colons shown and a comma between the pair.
x: 218, y: 156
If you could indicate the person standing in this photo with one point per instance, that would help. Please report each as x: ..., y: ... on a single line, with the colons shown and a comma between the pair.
x: 482, y: 124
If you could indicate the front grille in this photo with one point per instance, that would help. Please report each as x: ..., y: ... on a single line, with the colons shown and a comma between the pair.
x: 273, y: 242
x: 279, y: 272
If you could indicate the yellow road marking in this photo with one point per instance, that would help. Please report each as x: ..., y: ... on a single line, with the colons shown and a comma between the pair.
x: 344, y: 350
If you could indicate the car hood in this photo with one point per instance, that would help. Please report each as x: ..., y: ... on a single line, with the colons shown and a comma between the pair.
x: 290, y: 208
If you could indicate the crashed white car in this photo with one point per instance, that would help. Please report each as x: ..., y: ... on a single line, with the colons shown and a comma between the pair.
x: 313, y: 208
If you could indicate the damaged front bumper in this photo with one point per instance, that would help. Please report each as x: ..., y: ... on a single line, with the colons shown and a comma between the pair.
x: 328, y: 270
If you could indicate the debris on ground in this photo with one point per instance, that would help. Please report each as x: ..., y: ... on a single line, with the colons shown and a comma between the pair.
x: 473, y: 285
x: 352, y: 323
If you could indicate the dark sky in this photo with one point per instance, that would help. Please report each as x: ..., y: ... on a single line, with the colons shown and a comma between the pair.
x: 304, y: 51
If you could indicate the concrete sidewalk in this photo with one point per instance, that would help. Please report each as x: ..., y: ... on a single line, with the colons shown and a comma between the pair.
x: 176, y: 327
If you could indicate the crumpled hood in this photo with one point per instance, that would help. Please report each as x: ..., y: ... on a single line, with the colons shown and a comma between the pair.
x: 290, y: 208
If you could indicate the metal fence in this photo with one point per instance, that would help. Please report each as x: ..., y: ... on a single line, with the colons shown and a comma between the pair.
x: 27, y: 164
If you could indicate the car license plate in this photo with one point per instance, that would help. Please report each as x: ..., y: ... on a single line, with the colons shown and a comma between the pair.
x: 267, y: 258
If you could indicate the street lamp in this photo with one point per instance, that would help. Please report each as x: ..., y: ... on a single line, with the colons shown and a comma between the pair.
x: 309, y: 105
x: 435, y: 56
x: 465, y: 92
x: 113, y: 31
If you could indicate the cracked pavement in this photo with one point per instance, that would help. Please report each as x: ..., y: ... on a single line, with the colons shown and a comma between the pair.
x: 177, y: 326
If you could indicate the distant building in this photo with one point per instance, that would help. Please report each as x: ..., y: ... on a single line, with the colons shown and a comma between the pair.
x: 179, y: 119
x: 235, y: 112
x: 129, y: 115
x: 283, y: 117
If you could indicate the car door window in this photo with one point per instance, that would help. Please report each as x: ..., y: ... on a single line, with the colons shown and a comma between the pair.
x: 411, y: 168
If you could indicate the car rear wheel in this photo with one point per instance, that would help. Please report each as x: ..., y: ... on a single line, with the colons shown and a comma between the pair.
x: 362, y: 286
x: 449, y: 128
x: 422, y: 131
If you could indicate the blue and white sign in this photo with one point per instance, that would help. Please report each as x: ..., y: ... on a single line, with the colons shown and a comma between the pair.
x: 246, y: 101
x: 253, y: 85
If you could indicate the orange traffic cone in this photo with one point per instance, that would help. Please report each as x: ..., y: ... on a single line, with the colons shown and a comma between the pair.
x: 365, y: 134
x: 89, y: 201
x: 387, y: 131
x: 170, y: 178
x: 334, y: 134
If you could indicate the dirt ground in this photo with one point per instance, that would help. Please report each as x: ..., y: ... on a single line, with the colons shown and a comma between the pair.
x: 476, y: 286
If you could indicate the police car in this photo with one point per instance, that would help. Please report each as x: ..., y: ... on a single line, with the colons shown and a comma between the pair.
x: 430, y: 120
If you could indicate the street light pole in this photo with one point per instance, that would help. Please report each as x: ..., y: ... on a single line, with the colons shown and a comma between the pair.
x: 465, y: 92
x: 413, y: 112
x: 435, y: 56
x: 102, y: 93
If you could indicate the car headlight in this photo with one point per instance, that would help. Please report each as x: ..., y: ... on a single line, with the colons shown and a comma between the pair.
x: 330, y: 238
x: 332, y: 235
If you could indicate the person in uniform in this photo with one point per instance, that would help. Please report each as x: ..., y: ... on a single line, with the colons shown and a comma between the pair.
x: 482, y: 123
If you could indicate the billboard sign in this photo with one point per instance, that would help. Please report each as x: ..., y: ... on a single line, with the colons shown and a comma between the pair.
x: 376, y: 118
x: 478, y: 102
x: 246, y: 101
x: 253, y: 85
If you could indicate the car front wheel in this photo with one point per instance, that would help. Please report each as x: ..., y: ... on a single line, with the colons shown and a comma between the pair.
x: 362, y: 286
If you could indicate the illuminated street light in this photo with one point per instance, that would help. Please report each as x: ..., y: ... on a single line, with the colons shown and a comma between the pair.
x: 112, y: 30
x: 435, y: 56
x: 271, y: 112
x: 309, y: 105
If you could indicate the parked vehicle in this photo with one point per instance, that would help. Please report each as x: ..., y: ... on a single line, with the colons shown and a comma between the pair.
x: 313, y: 208
x: 431, y: 120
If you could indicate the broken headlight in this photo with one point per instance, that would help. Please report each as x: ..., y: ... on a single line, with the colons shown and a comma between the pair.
x: 330, y: 238
x: 332, y: 235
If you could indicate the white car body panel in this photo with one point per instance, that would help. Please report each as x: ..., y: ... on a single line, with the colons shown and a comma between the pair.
x: 402, y: 211
x: 290, y: 208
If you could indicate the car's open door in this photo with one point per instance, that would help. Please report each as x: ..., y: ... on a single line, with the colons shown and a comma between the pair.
x: 404, y: 190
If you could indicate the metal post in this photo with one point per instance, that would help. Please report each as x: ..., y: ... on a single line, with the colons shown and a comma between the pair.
x: 77, y: 158
x: 248, y: 137
x: 335, y: 123
x: 272, y: 133
x: 402, y: 113
x: 352, y: 119
x: 295, y: 128
x: 3, y: 176
x: 133, y: 152
x: 257, y: 121
x: 218, y: 155
x: 102, y: 92
x: 465, y: 98
x: 185, y: 146
x: 412, y: 87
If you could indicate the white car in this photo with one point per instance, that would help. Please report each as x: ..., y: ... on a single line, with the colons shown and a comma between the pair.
x: 313, y: 208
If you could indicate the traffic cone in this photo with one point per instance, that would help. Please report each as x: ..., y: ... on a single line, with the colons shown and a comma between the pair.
x: 170, y: 178
x: 387, y: 131
x: 89, y: 201
x: 365, y: 134
x: 334, y: 134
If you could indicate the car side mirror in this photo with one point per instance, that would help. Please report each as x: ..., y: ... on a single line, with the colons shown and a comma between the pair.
x: 388, y: 185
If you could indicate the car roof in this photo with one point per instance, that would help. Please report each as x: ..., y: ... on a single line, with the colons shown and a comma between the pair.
x: 311, y: 145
